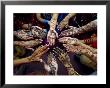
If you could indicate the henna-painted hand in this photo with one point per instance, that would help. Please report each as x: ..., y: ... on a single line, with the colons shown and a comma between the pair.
x: 65, y: 59
x: 28, y: 44
x: 38, y: 32
x: 68, y: 40
x: 26, y: 26
x: 52, y: 63
x: 51, y: 36
x: 22, y: 34
x: 74, y: 49
x: 36, y: 56
x: 62, y: 56
x: 81, y: 50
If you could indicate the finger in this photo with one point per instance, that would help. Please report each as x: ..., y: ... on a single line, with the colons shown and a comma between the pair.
x: 40, y: 54
x: 59, y: 50
x: 52, y: 41
x: 63, y: 39
x: 43, y: 48
x: 37, y: 50
x: 48, y: 40
x: 68, y: 47
x: 73, y: 49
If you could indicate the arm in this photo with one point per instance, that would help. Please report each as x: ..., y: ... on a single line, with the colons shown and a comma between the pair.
x: 52, y: 34
x: 65, y: 21
x: 75, y: 31
x: 36, y: 56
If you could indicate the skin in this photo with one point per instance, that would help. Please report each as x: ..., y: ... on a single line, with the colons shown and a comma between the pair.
x: 65, y: 21
x: 36, y: 56
x: 22, y: 34
x: 76, y: 31
x: 75, y: 41
x: 38, y: 15
x: 88, y: 62
x: 81, y: 50
x: 52, y: 63
x: 76, y: 46
x: 65, y: 59
x: 52, y: 34
x: 28, y: 44
x: 26, y: 26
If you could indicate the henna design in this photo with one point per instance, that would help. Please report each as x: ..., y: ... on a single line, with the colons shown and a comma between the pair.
x: 75, y: 31
x: 75, y: 41
x: 38, y: 32
x: 81, y: 50
x: 24, y: 35
x: 65, y: 21
x: 52, y: 63
x: 28, y: 44
x: 65, y: 59
x: 30, y: 34
x: 52, y: 34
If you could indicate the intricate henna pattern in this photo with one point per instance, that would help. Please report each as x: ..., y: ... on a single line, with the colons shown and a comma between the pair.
x: 31, y: 36
x: 52, y: 63
x: 81, y: 50
x: 52, y: 34
x: 38, y: 32
x: 75, y: 31
x: 24, y: 35
x: 65, y: 59
x: 28, y: 44
x: 65, y: 21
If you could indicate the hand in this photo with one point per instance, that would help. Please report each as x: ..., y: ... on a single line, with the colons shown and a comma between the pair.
x: 69, y: 40
x: 81, y: 50
x: 52, y: 63
x: 74, y: 49
x: 62, y: 56
x: 65, y: 59
x: 22, y: 34
x: 51, y: 36
x: 36, y: 56
x: 26, y: 26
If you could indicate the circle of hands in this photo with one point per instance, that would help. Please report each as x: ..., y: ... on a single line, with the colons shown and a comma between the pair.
x: 73, y: 45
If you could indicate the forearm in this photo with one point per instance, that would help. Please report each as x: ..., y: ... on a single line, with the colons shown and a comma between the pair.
x: 65, y: 60
x: 88, y: 62
x: 89, y: 54
x: 65, y: 21
x: 53, y: 21
x: 38, y: 15
x: 81, y: 50
x: 21, y: 61
x: 75, y: 31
